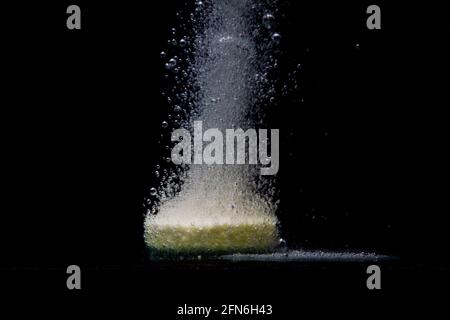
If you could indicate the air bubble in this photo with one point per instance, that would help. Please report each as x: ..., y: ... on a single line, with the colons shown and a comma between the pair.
x: 276, y: 37
x: 164, y: 124
x: 282, y: 244
x: 153, y: 191
x: 268, y: 20
x: 171, y: 64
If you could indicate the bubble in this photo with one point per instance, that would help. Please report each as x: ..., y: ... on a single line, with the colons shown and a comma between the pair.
x: 276, y: 38
x: 268, y: 20
x: 282, y: 245
x: 163, y: 54
x: 164, y: 124
x: 171, y: 64
x: 153, y: 191
x: 156, y: 173
x: 183, y: 42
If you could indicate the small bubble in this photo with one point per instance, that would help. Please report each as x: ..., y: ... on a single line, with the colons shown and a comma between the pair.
x: 156, y: 173
x: 276, y: 37
x: 282, y: 245
x: 153, y: 192
x: 164, y: 124
x: 268, y: 20
x: 171, y: 64
x: 183, y: 42
x: 163, y: 54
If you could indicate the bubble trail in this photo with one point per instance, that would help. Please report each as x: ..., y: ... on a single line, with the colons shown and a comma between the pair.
x: 222, y: 208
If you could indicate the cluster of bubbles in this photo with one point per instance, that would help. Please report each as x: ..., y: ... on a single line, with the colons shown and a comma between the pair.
x: 223, y: 70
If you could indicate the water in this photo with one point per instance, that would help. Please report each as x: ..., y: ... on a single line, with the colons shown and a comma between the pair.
x: 223, y: 78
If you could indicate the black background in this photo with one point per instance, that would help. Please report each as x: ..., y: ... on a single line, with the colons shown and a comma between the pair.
x: 363, y: 158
